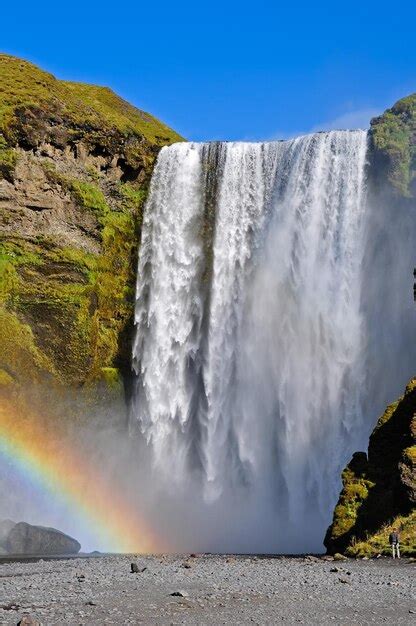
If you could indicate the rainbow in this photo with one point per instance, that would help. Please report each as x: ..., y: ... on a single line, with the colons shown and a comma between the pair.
x: 54, y: 466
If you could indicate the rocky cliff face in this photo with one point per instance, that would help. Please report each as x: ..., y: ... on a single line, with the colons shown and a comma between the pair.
x: 75, y: 164
x: 379, y: 489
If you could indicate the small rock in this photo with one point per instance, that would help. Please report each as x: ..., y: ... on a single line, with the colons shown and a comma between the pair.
x: 186, y: 565
x: 344, y: 580
x: 90, y: 603
x: 339, y: 557
x: 311, y: 557
x: 178, y: 594
x: 28, y: 620
x: 12, y: 606
x: 335, y: 569
x: 134, y: 568
x: 412, y: 611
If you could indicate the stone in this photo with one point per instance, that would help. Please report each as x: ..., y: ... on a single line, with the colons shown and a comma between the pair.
x: 24, y: 538
x: 134, y: 568
x: 28, y: 620
x: 339, y: 557
x: 178, y: 594
x: 311, y: 557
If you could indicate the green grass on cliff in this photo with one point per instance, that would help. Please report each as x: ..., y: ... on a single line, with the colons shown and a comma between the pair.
x: 378, y: 543
x: 24, y: 84
x: 394, y: 138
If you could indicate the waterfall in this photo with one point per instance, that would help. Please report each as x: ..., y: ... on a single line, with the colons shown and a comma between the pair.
x: 249, y: 348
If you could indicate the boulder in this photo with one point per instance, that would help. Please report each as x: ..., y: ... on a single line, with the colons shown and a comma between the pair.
x: 24, y: 538
x: 5, y: 527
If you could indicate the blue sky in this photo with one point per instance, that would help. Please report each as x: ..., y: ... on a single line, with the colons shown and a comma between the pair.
x: 229, y: 70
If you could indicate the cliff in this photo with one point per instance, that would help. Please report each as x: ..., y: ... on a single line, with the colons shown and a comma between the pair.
x: 75, y: 164
x: 393, y: 150
x: 379, y: 489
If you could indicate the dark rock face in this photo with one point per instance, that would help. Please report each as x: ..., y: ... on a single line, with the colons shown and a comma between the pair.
x: 24, y: 538
x: 380, y: 488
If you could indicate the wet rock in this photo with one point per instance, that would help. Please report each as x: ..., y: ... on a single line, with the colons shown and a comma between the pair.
x: 24, y: 538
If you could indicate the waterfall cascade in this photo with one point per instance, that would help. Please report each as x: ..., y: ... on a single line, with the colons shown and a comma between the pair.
x: 249, y: 348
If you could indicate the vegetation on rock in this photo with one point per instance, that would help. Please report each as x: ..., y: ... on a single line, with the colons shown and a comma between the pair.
x: 75, y: 164
x: 393, y: 143
x: 379, y: 489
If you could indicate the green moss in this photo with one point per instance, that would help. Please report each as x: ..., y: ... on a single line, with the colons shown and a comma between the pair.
x: 393, y: 138
x: 378, y: 542
x: 6, y: 381
x: 133, y: 196
x: 353, y: 494
x: 409, y: 455
x: 8, y: 161
x: 111, y: 378
x: 88, y: 195
x: 19, y: 353
x: 388, y: 413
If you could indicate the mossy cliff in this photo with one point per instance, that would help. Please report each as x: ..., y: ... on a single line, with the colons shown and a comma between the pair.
x: 379, y: 489
x: 393, y: 150
x: 75, y: 164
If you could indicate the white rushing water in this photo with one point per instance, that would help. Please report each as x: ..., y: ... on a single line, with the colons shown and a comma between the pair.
x: 249, y: 348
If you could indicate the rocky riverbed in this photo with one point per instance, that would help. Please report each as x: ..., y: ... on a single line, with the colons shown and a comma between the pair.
x: 208, y: 589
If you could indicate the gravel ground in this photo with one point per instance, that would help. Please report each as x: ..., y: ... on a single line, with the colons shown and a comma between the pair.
x: 214, y: 590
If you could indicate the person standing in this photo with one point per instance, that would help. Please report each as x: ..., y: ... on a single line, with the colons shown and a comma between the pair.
x: 394, y: 539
